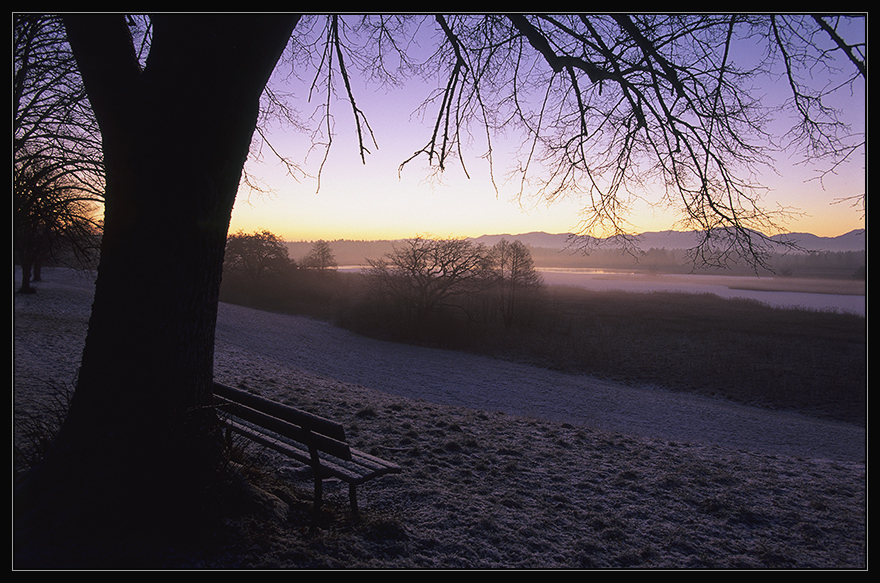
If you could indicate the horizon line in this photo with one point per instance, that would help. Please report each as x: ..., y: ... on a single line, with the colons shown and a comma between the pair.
x: 792, y: 233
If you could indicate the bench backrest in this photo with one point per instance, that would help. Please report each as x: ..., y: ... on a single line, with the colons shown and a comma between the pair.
x: 306, y: 428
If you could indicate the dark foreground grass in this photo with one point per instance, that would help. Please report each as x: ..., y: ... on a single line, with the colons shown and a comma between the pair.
x: 811, y: 361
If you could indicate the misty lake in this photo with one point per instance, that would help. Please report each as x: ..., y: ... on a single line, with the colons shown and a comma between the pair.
x: 815, y: 294
x: 784, y: 292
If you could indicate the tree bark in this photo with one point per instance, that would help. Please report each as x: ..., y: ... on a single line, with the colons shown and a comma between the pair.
x: 26, y: 276
x: 140, y: 430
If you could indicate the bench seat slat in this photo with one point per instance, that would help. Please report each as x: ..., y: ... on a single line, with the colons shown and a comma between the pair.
x: 365, y: 458
x: 299, y: 453
x: 361, y: 468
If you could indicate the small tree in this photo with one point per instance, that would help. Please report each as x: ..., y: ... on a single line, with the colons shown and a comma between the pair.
x: 516, y: 279
x: 52, y: 223
x: 320, y: 257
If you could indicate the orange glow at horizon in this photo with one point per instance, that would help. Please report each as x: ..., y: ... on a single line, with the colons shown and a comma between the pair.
x: 373, y: 200
x: 373, y: 205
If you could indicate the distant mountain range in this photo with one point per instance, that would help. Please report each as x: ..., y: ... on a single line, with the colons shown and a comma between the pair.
x: 852, y: 241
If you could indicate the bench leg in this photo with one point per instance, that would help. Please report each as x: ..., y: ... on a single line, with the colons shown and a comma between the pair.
x: 352, y: 496
x: 319, y: 493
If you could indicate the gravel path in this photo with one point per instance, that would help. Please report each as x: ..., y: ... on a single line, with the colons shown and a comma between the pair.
x: 458, y: 379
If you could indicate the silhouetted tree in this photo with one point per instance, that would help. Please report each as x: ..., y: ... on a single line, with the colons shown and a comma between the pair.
x: 58, y: 173
x: 256, y: 257
x: 141, y: 434
x: 320, y: 257
x: 52, y: 223
x: 516, y: 278
x: 421, y: 276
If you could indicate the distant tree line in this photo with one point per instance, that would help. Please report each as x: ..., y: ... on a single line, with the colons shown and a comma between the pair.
x: 258, y: 271
x: 832, y: 264
x: 431, y: 291
x: 448, y: 291
x: 661, y: 259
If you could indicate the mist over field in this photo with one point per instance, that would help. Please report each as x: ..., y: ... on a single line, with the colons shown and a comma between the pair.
x: 793, y: 340
x: 839, y: 295
x: 835, y: 257
x: 821, y: 273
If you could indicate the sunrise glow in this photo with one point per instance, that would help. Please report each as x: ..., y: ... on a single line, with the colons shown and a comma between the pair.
x: 373, y: 200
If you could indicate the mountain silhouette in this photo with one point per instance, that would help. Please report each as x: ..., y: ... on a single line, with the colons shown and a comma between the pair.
x: 852, y: 241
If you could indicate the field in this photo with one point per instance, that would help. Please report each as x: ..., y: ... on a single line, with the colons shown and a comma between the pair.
x: 789, y: 359
x: 802, y: 360
x: 484, y: 489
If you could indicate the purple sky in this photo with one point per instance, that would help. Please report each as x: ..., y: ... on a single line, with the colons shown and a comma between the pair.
x: 373, y: 201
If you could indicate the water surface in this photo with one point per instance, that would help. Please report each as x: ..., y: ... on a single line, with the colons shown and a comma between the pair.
x: 778, y: 292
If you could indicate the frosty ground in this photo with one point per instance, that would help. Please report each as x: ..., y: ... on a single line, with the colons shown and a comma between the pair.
x: 505, y: 465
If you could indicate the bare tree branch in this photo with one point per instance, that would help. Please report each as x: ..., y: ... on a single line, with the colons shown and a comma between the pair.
x: 613, y: 109
x: 846, y: 48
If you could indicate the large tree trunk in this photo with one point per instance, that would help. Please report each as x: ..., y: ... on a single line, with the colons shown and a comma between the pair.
x: 139, y: 441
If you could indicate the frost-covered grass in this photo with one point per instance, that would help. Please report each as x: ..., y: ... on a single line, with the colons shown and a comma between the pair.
x: 483, y: 489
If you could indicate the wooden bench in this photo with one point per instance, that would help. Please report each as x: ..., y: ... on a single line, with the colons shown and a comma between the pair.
x: 307, y: 438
